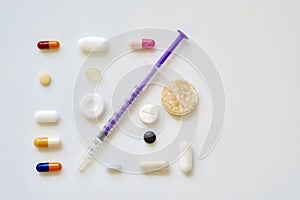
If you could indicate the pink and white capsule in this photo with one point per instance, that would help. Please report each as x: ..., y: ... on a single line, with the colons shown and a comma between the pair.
x: 142, y: 43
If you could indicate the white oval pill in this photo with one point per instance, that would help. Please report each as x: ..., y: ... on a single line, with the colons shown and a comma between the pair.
x: 153, y: 165
x: 93, y: 44
x: 186, y: 159
x: 92, y: 106
x: 148, y: 113
x: 46, y: 116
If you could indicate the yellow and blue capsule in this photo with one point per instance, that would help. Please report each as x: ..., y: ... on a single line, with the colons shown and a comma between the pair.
x: 48, y: 167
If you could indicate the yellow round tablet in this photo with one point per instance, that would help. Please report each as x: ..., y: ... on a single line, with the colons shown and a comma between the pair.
x: 45, y: 79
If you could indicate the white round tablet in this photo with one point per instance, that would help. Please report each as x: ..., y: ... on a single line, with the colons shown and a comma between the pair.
x: 148, y: 114
x: 92, y: 106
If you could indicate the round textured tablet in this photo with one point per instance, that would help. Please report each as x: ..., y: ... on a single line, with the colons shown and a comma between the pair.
x: 92, y: 106
x: 149, y: 137
x: 45, y: 79
x: 179, y: 97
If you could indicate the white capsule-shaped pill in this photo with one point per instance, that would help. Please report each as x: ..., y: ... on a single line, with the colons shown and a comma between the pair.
x: 153, y: 165
x: 148, y: 114
x: 186, y: 159
x: 93, y: 44
x: 92, y: 106
x: 46, y: 116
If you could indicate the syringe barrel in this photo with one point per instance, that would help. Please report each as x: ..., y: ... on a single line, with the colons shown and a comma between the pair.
x: 127, y: 103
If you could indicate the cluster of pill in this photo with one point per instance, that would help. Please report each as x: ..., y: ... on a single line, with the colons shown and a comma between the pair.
x: 185, y: 161
x: 148, y: 113
x: 45, y: 78
x: 179, y: 97
x: 45, y: 117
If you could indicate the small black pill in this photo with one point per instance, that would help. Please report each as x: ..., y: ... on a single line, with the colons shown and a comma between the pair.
x: 149, y: 137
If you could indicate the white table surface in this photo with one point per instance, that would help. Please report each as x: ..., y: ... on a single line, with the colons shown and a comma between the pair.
x: 255, y: 47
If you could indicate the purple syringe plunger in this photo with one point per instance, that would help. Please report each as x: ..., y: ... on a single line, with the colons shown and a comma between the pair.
x: 165, y: 56
x: 93, y: 148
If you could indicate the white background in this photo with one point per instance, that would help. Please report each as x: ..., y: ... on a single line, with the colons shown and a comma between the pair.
x: 255, y: 47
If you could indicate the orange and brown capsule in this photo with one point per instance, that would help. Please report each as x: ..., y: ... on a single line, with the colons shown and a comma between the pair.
x: 51, y: 44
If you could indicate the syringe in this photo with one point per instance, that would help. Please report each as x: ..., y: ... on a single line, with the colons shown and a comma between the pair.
x: 93, y: 148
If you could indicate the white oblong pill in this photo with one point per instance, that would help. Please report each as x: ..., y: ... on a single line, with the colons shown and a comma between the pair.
x: 153, y: 165
x: 186, y: 159
x: 92, y: 106
x: 46, y: 116
x: 93, y: 44
x: 148, y: 114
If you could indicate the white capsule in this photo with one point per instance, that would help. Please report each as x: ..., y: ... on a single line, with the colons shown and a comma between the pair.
x: 93, y: 44
x: 92, y: 106
x: 153, y: 165
x: 46, y: 116
x: 186, y: 159
x: 148, y: 113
